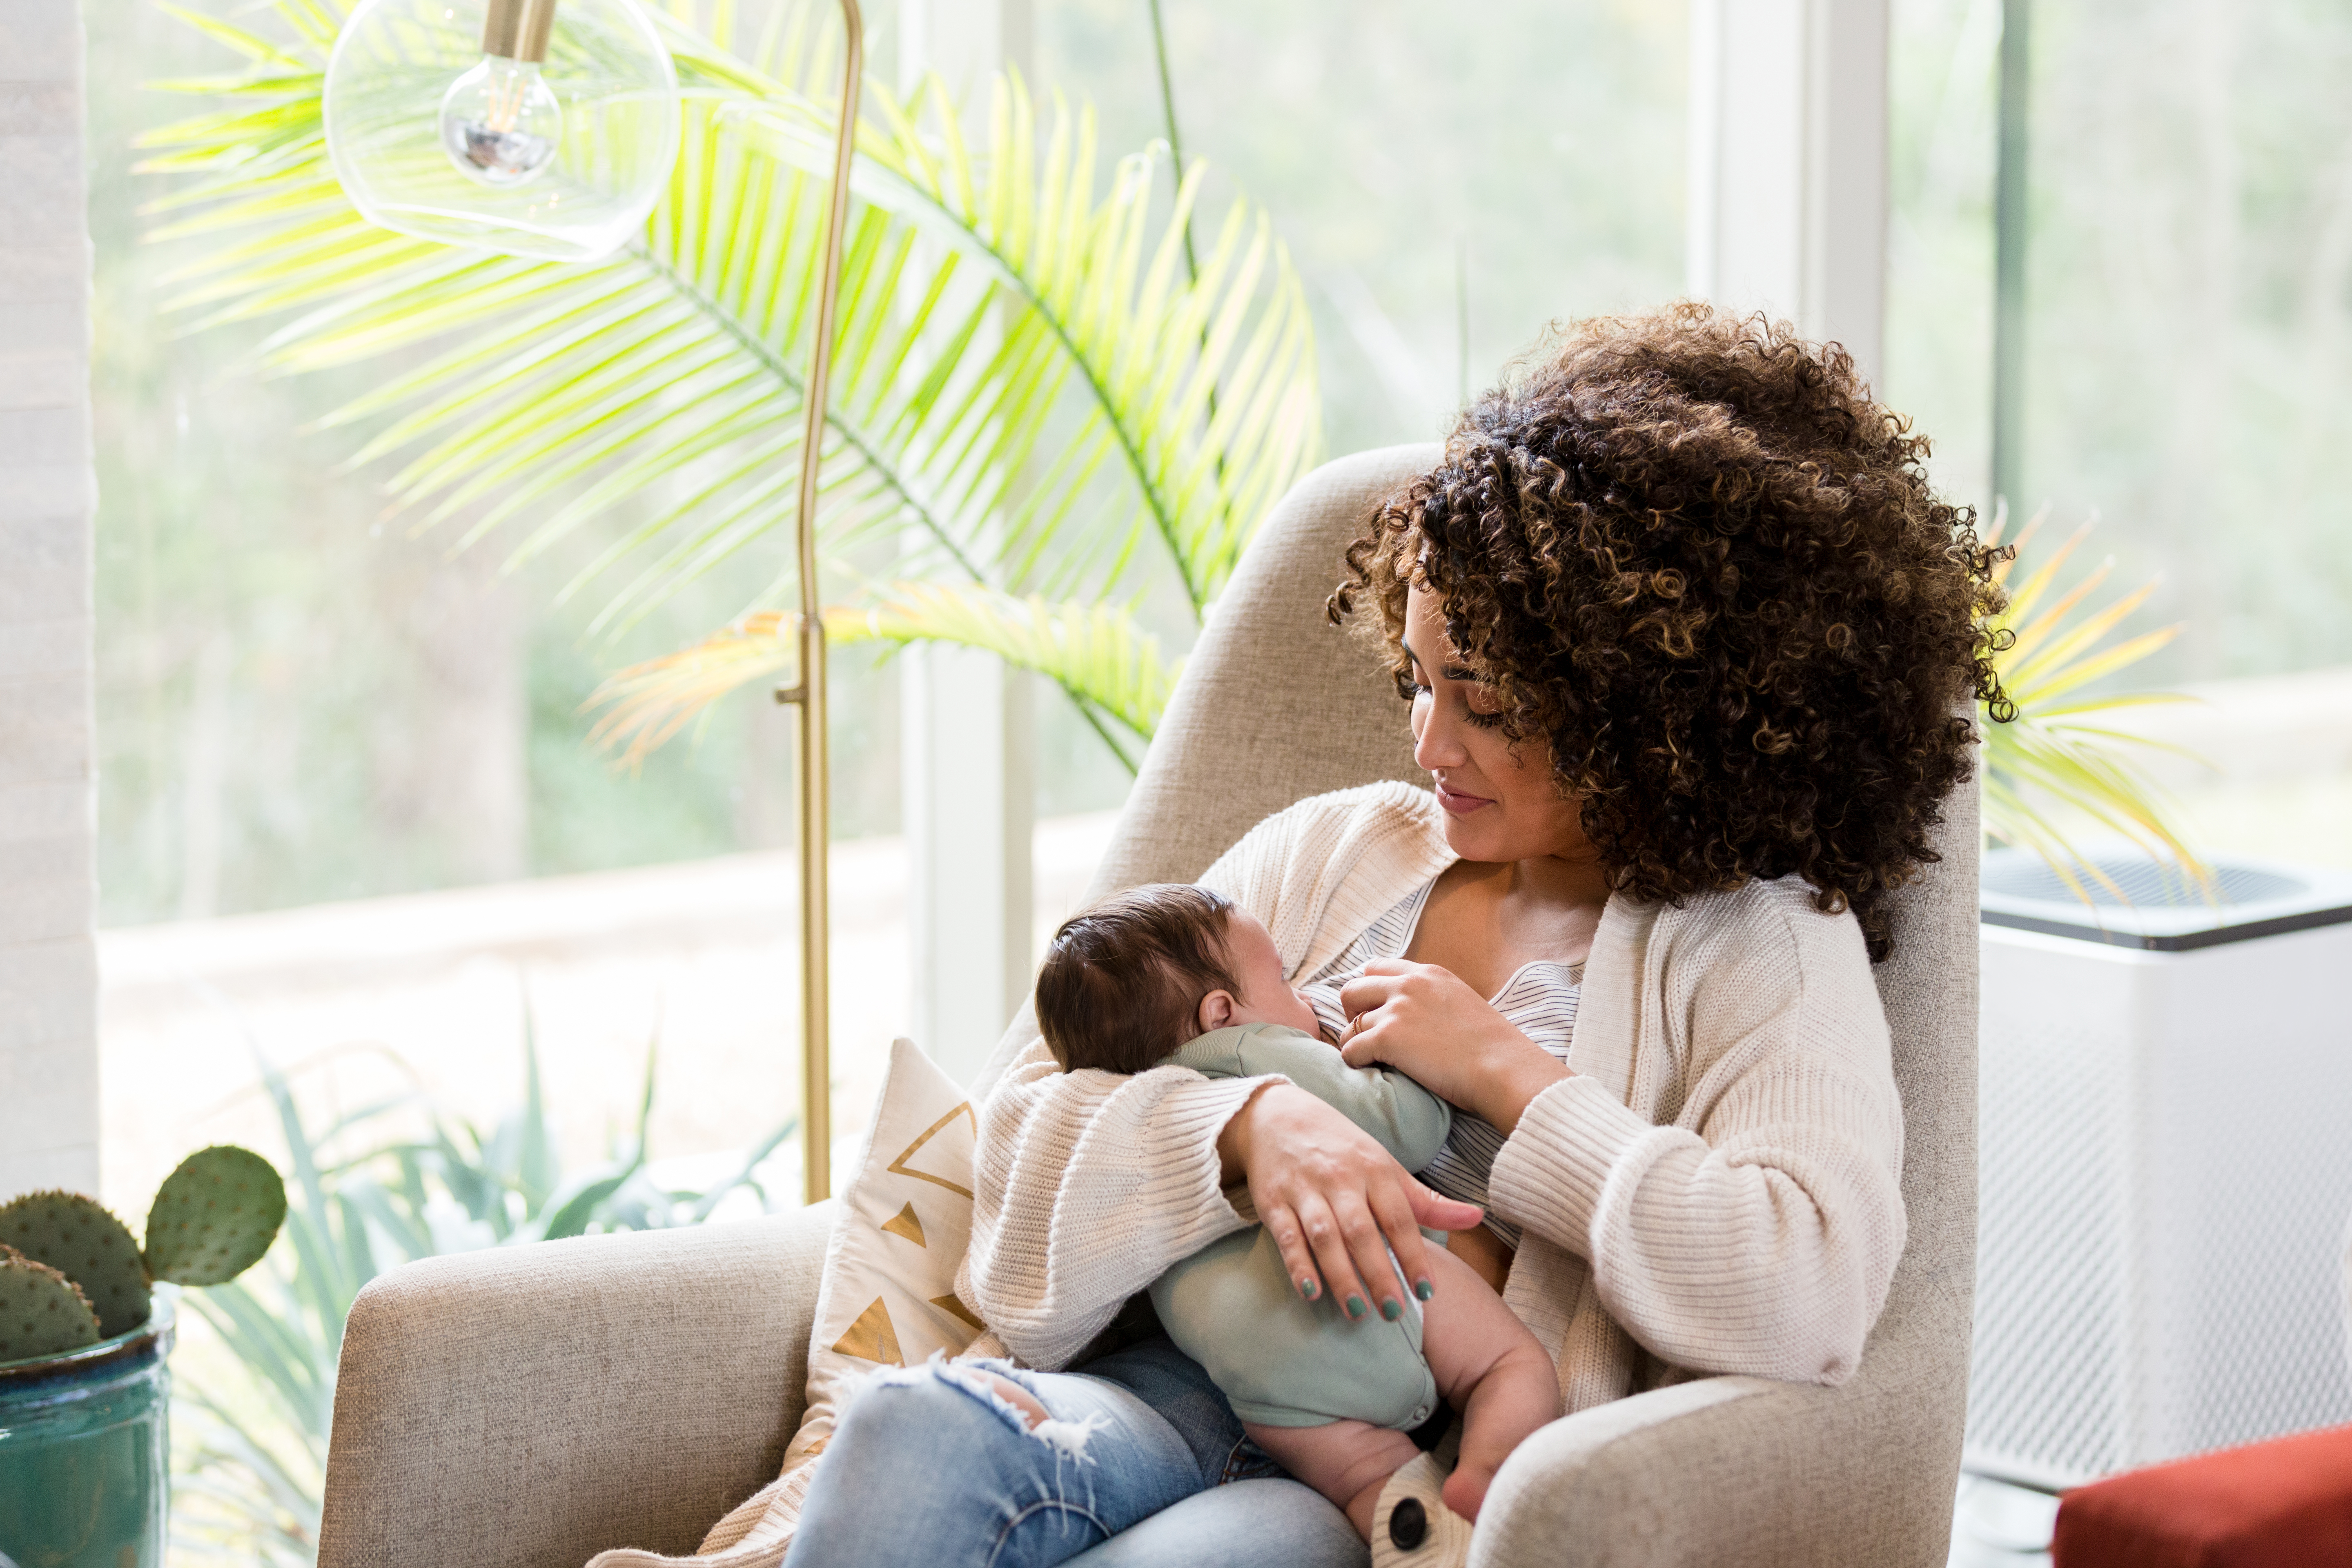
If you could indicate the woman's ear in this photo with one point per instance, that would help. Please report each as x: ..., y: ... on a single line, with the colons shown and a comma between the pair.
x: 1216, y: 1010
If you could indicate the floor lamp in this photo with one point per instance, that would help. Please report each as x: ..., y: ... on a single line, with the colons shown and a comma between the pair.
x: 807, y: 694
x: 458, y: 132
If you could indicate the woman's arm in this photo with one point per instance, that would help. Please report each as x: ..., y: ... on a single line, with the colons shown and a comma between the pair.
x: 1087, y: 1186
x: 1335, y: 1202
x: 1426, y: 1023
x: 1758, y: 1232
x: 1406, y: 1119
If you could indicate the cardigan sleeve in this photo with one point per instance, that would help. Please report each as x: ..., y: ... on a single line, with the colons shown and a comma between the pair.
x: 1088, y: 1186
x: 1758, y: 1232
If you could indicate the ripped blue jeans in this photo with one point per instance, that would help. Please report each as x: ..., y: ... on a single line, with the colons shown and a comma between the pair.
x: 1142, y: 1464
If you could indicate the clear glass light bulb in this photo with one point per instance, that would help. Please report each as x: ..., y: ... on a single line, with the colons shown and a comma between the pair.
x: 501, y: 122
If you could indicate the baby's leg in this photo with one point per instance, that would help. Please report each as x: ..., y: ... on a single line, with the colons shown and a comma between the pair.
x: 1347, y: 1461
x: 1490, y: 1368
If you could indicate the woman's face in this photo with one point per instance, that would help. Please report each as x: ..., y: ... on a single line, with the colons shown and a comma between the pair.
x: 1497, y: 806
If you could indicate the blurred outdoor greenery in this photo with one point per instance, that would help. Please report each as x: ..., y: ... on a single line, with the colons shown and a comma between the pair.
x: 381, y: 1185
x: 2188, y: 294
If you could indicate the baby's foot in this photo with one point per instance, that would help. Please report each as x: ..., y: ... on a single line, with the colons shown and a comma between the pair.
x: 1466, y: 1490
x: 1414, y: 1526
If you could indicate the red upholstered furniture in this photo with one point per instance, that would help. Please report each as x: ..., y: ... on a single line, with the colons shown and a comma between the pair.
x: 2286, y: 1503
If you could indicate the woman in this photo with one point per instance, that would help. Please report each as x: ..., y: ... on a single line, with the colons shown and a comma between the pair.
x: 1685, y: 639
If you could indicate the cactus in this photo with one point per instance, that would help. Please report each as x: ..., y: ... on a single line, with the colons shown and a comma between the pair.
x: 70, y: 1273
x: 214, y: 1217
x: 76, y: 1236
x: 42, y: 1312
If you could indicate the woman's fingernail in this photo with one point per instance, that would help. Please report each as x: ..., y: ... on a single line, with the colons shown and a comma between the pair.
x: 1310, y: 1288
x: 1355, y: 1305
x: 1391, y: 1308
x: 1423, y: 1288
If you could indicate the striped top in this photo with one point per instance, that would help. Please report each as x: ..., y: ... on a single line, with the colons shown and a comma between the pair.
x: 1538, y: 1000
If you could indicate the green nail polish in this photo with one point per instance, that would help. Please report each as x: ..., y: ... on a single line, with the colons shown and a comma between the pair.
x: 1355, y: 1305
x: 1310, y: 1288
x: 1391, y: 1308
x: 1423, y: 1288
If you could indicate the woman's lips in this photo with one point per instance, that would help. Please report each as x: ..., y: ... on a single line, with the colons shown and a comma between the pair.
x: 1457, y: 803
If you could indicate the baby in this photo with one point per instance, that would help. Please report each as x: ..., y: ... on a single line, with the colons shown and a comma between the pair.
x: 1171, y: 974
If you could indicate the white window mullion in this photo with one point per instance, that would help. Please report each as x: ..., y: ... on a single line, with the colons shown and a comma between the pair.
x: 966, y: 766
x: 1787, y: 205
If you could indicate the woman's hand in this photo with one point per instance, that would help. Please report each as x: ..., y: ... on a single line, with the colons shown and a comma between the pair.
x: 1334, y: 1200
x: 1421, y: 1020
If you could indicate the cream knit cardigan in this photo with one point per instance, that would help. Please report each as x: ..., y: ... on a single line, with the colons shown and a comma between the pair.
x: 1715, y: 1189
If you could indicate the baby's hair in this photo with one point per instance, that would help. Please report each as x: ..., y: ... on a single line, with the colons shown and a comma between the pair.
x: 1122, y: 982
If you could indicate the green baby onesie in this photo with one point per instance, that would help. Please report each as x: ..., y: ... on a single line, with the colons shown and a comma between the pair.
x: 1232, y: 1306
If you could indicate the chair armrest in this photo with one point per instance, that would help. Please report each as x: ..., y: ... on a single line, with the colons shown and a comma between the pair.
x: 529, y: 1406
x: 1741, y: 1470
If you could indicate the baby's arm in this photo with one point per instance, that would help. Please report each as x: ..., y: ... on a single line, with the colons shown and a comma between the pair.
x: 1410, y: 1123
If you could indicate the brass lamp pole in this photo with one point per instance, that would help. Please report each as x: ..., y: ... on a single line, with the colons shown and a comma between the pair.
x: 807, y: 694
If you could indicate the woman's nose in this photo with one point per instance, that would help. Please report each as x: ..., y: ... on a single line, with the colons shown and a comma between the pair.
x: 1436, y: 742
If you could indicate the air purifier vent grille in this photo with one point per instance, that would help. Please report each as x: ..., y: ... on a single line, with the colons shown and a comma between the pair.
x: 2144, y: 883
x: 2043, y: 1396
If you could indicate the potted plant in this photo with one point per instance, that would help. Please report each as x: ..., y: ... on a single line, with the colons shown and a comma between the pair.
x: 86, y: 1321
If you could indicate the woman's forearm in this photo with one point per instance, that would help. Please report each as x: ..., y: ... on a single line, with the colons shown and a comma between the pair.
x: 1234, y: 1141
x: 1059, y: 1152
x: 1762, y: 1245
x: 1515, y: 1083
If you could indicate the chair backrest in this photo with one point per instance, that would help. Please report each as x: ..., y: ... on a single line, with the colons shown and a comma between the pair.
x: 1275, y: 704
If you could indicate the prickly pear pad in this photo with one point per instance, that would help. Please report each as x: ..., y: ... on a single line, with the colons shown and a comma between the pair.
x: 78, y: 1237
x: 214, y: 1217
x: 41, y: 1313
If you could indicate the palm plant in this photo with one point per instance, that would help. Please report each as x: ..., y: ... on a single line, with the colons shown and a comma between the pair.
x: 2055, y: 754
x: 1044, y: 402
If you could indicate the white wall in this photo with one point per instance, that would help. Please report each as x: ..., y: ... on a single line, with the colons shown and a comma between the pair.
x: 48, y: 980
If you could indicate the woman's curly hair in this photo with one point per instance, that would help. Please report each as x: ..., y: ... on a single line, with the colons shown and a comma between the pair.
x: 1691, y: 555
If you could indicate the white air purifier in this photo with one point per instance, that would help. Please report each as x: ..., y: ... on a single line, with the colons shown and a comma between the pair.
x: 2166, y: 1165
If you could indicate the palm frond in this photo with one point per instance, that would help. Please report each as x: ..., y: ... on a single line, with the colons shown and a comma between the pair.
x: 1103, y: 661
x: 648, y: 704
x: 1022, y: 379
x: 2047, y: 767
x: 1108, y: 666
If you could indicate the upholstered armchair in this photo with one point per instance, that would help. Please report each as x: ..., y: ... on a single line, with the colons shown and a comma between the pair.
x: 532, y: 1407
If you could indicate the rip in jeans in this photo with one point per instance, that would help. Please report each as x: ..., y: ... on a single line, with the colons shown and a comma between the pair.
x: 1065, y: 1440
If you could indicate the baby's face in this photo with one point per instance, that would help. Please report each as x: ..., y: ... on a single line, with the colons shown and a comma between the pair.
x: 1267, y: 996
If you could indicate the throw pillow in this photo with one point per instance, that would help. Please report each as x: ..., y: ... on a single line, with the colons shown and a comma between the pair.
x: 899, y: 1231
x: 887, y: 1298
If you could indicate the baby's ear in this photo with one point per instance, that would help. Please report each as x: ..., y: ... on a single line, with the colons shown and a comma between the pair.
x: 1216, y: 1010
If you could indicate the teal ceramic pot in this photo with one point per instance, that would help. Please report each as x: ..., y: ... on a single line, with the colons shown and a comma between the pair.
x: 85, y: 1471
